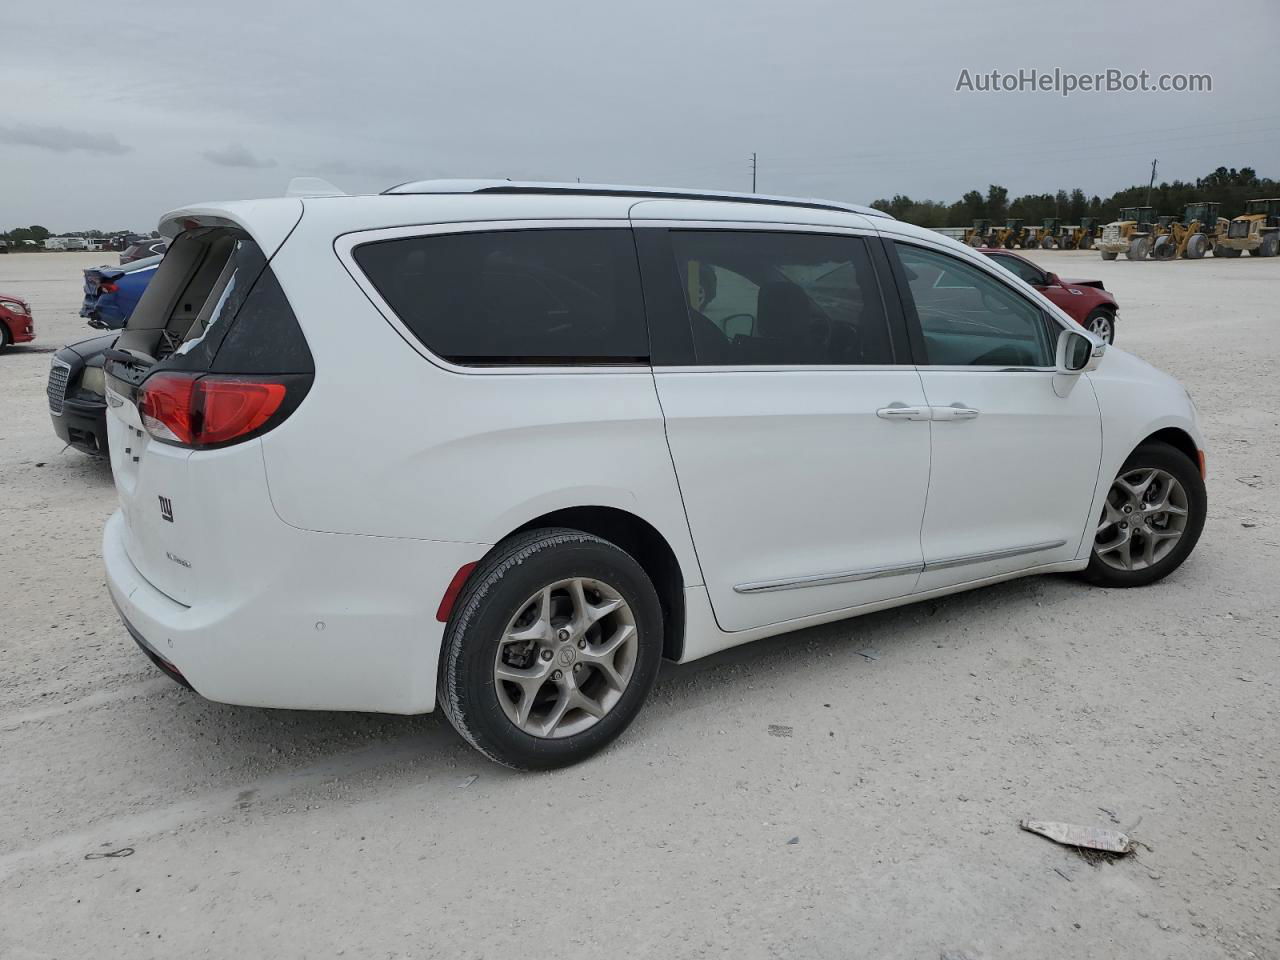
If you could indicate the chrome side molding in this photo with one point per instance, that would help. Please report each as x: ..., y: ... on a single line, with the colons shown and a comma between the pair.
x: 825, y: 579
x: 992, y: 555
x: 893, y: 570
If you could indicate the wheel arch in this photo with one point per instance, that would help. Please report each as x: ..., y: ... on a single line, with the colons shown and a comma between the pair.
x: 646, y: 544
x: 1179, y: 439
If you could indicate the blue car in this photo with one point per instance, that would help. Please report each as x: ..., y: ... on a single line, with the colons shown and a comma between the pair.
x: 111, y: 293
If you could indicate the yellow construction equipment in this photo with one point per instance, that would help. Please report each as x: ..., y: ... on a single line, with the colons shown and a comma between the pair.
x: 1009, y: 236
x: 1199, y: 232
x: 1068, y: 236
x: 1130, y: 235
x: 1090, y: 230
x: 1256, y: 230
x: 976, y: 236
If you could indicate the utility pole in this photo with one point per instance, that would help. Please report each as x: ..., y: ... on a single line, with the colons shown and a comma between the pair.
x: 753, y: 171
x: 1152, y: 183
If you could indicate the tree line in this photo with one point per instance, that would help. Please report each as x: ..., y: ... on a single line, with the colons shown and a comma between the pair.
x: 1227, y: 186
x: 40, y: 234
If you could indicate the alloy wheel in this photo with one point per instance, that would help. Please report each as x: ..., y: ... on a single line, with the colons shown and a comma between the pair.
x: 566, y: 658
x: 1143, y: 519
x: 1101, y: 326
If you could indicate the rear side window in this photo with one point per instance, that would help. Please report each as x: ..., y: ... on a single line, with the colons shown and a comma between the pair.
x: 759, y: 298
x: 515, y: 296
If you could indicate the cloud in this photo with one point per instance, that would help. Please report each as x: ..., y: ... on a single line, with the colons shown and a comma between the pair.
x: 237, y: 156
x: 62, y: 139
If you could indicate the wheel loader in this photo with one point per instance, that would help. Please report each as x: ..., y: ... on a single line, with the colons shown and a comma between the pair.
x: 1130, y: 235
x: 1051, y: 233
x: 1256, y: 230
x: 1009, y: 236
x: 1090, y: 229
x: 976, y: 236
x: 1197, y: 233
x: 1070, y: 237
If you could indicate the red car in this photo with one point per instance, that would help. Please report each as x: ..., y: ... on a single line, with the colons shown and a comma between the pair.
x: 1085, y: 301
x: 16, y: 325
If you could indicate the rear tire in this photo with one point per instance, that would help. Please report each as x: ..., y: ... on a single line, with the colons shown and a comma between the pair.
x: 1164, y: 249
x: 1138, y: 249
x: 1197, y: 244
x: 1172, y: 480
x: 523, y: 628
x: 1108, y: 254
x: 1270, y: 245
x: 1048, y: 243
x: 1231, y: 252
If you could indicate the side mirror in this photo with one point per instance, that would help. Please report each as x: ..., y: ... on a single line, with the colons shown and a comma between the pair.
x: 1078, y: 353
x: 1050, y: 280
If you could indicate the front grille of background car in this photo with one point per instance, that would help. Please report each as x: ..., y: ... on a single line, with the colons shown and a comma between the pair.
x: 1238, y: 229
x: 1111, y: 233
x: 57, y: 388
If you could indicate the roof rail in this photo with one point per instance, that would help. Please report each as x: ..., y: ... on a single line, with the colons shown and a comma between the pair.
x: 619, y: 190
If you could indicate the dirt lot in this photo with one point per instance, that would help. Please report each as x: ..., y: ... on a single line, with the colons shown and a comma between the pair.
x: 882, y: 822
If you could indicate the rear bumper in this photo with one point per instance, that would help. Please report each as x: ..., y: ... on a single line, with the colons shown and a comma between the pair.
x: 329, y: 622
x: 163, y: 665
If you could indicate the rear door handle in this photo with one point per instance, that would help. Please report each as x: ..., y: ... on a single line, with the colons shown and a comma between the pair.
x: 957, y: 411
x: 900, y: 411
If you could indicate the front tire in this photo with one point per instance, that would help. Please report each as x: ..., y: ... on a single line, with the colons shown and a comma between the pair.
x: 1138, y: 249
x: 4, y: 337
x: 1103, y: 324
x: 552, y: 648
x: 1151, y: 520
x: 1108, y: 254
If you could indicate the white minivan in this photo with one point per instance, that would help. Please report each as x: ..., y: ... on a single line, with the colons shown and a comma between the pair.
x: 502, y: 447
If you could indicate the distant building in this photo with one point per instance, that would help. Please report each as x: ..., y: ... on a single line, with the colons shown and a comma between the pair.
x: 66, y: 243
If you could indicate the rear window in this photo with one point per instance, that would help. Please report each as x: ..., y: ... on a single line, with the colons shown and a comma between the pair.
x: 515, y: 296
x: 215, y: 304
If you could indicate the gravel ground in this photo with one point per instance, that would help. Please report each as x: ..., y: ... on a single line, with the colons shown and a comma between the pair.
x: 849, y: 791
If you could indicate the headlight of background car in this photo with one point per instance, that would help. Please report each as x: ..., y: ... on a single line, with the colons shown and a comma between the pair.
x: 14, y: 306
x: 94, y: 381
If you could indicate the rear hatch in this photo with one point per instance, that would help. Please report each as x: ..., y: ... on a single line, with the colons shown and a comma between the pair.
x: 211, y: 358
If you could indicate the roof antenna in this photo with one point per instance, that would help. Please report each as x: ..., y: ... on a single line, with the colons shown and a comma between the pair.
x: 312, y: 187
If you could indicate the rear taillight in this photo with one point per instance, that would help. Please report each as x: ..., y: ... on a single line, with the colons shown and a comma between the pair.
x: 211, y: 410
x: 106, y: 286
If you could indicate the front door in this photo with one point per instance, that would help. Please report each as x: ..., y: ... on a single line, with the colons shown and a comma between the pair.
x: 800, y: 445
x: 1016, y: 449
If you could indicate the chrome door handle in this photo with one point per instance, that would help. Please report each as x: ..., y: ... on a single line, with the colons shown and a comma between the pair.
x: 957, y: 411
x: 900, y: 411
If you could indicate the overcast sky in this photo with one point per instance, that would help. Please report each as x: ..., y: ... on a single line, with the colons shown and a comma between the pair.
x: 111, y: 114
